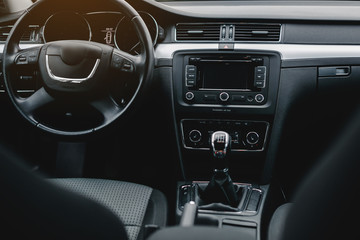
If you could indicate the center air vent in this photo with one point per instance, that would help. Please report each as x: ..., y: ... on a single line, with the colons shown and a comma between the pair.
x: 243, y: 32
x: 257, y: 32
x: 197, y: 32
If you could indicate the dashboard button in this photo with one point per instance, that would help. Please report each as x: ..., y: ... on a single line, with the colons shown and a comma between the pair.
x: 259, y: 98
x: 238, y: 98
x: 224, y: 96
x: 190, y: 75
x: 190, y: 69
x: 209, y: 97
x: 250, y: 98
x: 190, y: 83
x: 260, y: 84
x: 260, y: 70
x: 189, y: 96
x: 260, y: 77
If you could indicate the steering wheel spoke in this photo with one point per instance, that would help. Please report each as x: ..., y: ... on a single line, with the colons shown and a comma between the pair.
x: 37, y: 100
x: 107, y: 107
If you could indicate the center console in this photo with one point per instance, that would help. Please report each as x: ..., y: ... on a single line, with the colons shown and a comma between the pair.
x: 230, y: 92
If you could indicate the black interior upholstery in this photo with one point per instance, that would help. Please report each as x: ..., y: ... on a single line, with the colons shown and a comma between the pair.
x: 117, y: 115
x: 74, y: 208
x: 325, y: 205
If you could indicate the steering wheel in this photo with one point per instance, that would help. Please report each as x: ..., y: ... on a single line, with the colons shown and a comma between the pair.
x: 75, y: 74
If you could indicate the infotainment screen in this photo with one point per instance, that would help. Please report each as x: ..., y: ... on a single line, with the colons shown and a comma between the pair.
x: 230, y: 74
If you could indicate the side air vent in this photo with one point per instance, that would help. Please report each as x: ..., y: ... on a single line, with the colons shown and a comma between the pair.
x: 197, y: 32
x: 4, y: 32
x: 2, y: 4
x: 257, y: 32
x: 31, y: 34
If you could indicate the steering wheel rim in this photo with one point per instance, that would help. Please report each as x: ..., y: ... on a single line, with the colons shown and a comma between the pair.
x: 110, y: 61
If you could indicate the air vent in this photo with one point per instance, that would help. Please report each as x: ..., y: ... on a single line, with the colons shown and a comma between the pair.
x: 4, y: 32
x: 30, y: 35
x: 2, y: 4
x: 197, y: 32
x: 257, y: 32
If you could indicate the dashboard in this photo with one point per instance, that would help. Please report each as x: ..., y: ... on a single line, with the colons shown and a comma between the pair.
x: 281, y: 77
x: 268, y: 72
x: 225, y: 62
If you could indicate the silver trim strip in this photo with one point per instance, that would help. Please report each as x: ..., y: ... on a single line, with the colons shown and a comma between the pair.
x: 287, y: 51
x: 71, y: 80
x: 244, y: 202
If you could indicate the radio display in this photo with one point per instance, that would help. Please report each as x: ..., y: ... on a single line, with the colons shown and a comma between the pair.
x: 227, y: 75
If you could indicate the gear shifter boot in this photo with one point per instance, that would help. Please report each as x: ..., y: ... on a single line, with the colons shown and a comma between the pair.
x: 220, y: 189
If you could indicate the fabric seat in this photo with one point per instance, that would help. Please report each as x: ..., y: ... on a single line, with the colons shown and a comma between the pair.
x: 136, y: 205
x: 75, y: 208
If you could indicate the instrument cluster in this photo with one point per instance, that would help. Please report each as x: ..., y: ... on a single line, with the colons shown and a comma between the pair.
x: 111, y: 28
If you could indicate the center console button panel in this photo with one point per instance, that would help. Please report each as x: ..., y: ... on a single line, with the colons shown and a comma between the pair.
x: 245, y: 135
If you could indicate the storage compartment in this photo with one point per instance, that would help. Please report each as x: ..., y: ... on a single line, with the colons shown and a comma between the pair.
x: 338, y: 78
x: 202, y: 232
x: 245, y: 227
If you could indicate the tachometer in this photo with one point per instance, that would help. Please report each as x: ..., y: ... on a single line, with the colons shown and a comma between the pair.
x: 126, y: 38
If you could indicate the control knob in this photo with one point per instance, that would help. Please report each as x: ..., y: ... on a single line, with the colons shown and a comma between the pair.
x: 224, y: 96
x: 195, y: 136
x: 252, y: 138
x: 189, y: 96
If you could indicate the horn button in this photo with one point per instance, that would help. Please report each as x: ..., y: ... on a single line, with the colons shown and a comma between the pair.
x: 73, y: 66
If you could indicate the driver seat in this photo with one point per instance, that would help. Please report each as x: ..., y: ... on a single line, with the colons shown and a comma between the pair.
x: 74, y: 208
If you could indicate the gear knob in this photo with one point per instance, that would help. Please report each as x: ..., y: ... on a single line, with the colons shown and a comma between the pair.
x: 220, y: 144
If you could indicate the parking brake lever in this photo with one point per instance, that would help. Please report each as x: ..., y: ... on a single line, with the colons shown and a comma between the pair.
x: 189, y: 214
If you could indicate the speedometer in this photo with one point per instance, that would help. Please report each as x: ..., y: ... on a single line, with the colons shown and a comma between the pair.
x: 65, y: 26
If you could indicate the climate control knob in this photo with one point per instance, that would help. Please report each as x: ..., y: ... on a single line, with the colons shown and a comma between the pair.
x: 195, y: 136
x: 252, y: 138
x: 224, y: 96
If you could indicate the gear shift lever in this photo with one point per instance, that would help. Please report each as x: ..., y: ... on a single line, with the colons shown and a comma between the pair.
x: 220, y: 188
x: 220, y: 145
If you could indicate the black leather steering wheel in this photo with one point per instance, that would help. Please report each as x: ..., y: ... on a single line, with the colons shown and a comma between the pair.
x: 75, y: 73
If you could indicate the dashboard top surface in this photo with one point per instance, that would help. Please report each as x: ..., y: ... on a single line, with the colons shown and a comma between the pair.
x: 310, y: 29
x: 282, y: 10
